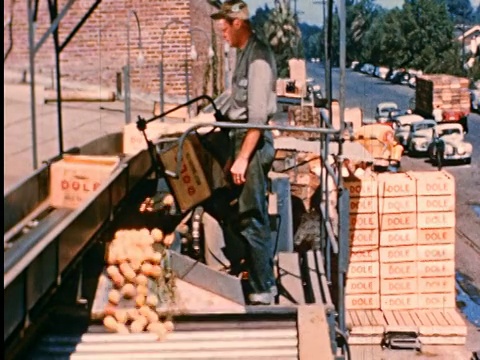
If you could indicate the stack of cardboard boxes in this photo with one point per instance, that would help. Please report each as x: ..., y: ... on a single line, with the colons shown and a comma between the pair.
x: 402, y: 241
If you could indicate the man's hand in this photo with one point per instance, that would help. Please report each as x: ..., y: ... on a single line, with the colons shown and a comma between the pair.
x: 238, y: 170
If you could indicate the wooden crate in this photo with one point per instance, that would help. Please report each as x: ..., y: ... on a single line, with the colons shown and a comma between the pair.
x: 434, y: 327
x: 435, y: 203
x: 434, y: 220
x: 396, y: 185
x: 437, y: 301
x: 398, y: 254
x: 363, y: 237
x: 436, y: 236
x: 396, y: 205
x: 398, y: 237
x: 366, y: 326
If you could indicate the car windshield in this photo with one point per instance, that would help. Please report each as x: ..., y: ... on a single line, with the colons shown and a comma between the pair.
x: 423, y: 126
x: 450, y: 132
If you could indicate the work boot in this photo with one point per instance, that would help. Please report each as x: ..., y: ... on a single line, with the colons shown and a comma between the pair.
x: 264, y: 298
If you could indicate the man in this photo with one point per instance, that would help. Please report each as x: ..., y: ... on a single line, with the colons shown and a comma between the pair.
x: 252, y: 101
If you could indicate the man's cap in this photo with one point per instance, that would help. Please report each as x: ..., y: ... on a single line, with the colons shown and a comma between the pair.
x: 232, y: 9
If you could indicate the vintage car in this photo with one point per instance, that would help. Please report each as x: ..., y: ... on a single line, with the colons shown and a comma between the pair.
x: 401, y: 125
x: 385, y: 110
x: 419, y: 137
x: 449, y: 145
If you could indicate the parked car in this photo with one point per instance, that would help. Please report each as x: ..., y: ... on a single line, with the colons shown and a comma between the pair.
x: 475, y: 96
x: 402, y: 124
x: 449, y: 145
x: 385, y: 111
x: 419, y: 137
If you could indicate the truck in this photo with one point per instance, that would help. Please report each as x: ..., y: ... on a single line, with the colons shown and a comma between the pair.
x: 447, y: 92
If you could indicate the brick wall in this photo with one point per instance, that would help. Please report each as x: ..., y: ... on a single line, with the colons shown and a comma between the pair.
x: 98, y: 51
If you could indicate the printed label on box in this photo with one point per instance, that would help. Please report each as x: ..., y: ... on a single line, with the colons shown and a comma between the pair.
x: 362, y: 187
x: 436, y: 268
x: 434, y: 182
x: 363, y: 269
x: 395, y: 205
x: 364, y: 221
x: 436, y: 301
x: 436, y: 220
x: 363, y: 237
x: 435, y: 203
x: 398, y: 237
x: 443, y: 284
x: 436, y: 252
x: 398, y: 221
x: 363, y: 205
x: 399, y: 302
x: 362, y: 286
x: 396, y: 184
x: 398, y: 270
x: 398, y: 286
x: 436, y: 236
x: 398, y: 254
x: 364, y: 301
x: 363, y: 253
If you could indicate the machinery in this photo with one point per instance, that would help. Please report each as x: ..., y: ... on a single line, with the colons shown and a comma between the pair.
x: 56, y: 256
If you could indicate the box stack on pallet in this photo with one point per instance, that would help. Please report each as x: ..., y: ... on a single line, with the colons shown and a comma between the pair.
x: 416, y: 248
x: 398, y: 250
x: 362, y: 284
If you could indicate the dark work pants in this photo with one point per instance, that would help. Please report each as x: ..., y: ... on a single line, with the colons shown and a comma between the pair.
x: 254, y: 222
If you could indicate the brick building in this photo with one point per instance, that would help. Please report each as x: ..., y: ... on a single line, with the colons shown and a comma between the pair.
x: 98, y: 51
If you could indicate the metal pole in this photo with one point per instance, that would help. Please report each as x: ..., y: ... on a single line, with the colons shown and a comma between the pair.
x: 128, y: 115
x: 31, y: 45
x: 343, y: 49
x: 162, y: 80
x: 54, y: 14
x: 187, y: 83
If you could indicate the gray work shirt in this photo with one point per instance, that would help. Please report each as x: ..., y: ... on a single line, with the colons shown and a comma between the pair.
x: 253, y: 98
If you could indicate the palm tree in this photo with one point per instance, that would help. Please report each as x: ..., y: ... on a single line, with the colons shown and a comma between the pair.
x: 284, y: 35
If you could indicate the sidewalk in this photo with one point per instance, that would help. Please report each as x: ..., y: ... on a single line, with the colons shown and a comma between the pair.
x: 82, y: 123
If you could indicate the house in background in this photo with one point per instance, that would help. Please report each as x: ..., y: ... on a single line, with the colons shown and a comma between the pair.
x: 469, y: 38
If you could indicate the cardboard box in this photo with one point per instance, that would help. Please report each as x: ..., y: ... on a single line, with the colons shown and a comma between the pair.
x: 194, y: 183
x: 436, y: 301
x: 398, y: 254
x: 363, y: 269
x: 434, y: 182
x: 75, y: 178
x: 363, y: 253
x: 362, y: 286
x: 398, y: 270
x: 396, y: 184
x: 442, y: 284
x: 398, y: 237
x: 396, y: 205
x: 436, y: 252
x: 436, y: 268
x: 363, y: 237
x: 362, y: 205
x: 362, y: 187
x: 398, y: 221
x: 436, y: 220
x: 362, y: 302
x: 436, y: 236
x: 399, y: 302
x: 430, y: 203
x: 398, y: 286
x: 364, y: 221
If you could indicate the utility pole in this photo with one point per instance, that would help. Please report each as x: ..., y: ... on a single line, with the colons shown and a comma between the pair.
x: 325, y: 46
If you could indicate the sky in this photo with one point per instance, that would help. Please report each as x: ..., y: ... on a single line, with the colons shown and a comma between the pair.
x: 312, y: 13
